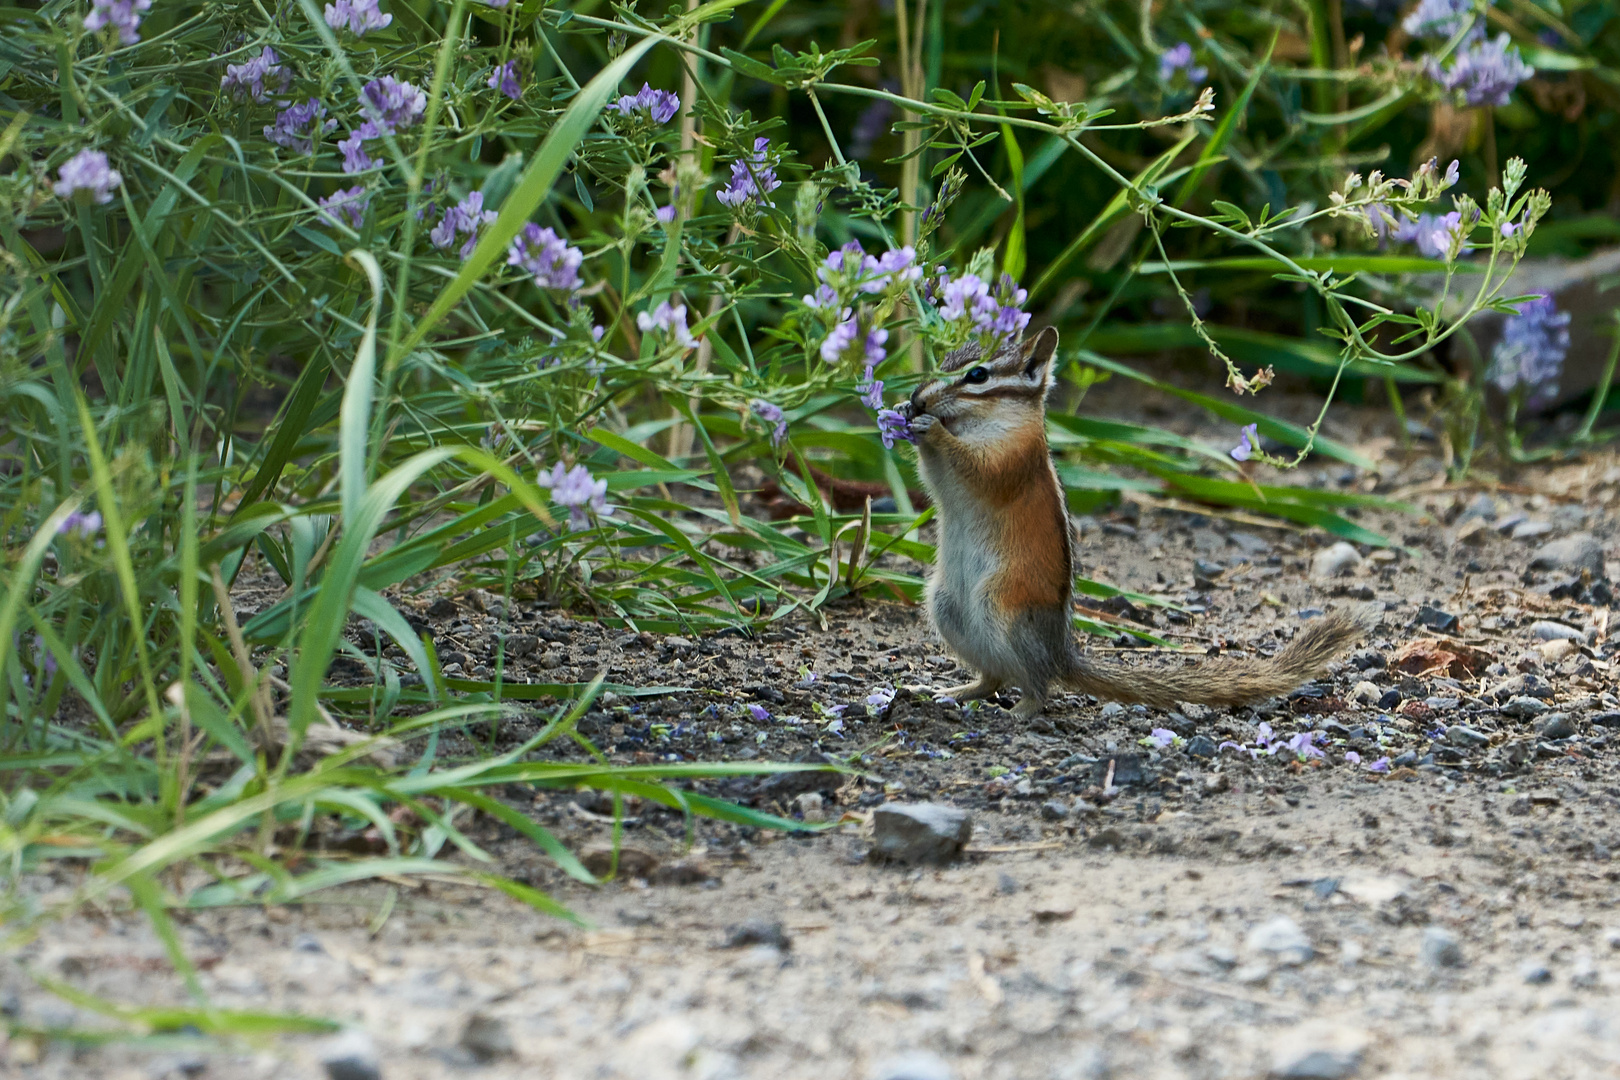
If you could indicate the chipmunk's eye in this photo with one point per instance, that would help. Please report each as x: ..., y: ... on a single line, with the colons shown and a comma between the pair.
x: 977, y: 375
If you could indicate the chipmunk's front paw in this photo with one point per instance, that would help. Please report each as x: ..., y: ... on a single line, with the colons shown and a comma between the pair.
x: 922, y: 424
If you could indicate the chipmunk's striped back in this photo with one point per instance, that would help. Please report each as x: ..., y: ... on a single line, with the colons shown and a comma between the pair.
x: 1002, y: 587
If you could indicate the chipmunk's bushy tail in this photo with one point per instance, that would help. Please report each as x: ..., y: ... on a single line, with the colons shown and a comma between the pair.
x: 1222, y: 680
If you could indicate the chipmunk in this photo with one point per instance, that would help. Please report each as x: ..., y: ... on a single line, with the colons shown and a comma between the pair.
x: 1001, y: 591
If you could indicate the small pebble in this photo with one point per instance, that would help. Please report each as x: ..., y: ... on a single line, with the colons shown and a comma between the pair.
x: 486, y: 1038
x: 1523, y: 708
x: 1536, y: 974
x: 1459, y: 735
x: 1202, y: 746
x: 1319, y: 1065
x: 1283, y: 938
x: 350, y: 1055
x: 1440, y: 948
x: 1335, y: 561
x: 1577, y: 551
x: 917, y: 1065
x: 758, y: 932
x: 1546, y: 630
x: 1555, y: 726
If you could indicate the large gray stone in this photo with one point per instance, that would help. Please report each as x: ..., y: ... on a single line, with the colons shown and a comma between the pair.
x: 1577, y: 551
x: 1335, y: 561
x: 1319, y: 1065
x: 920, y: 832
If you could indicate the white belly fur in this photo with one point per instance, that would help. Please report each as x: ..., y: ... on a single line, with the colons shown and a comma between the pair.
x: 967, y: 559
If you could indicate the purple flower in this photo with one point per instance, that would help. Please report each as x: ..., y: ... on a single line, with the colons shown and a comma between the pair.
x: 350, y: 203
x: 1352, y: 758
x: 1180, y: 58
x: 1250, y: 436
x: 1432, y: 233
x: 871, y: 391
x: 840, y: 339
x: 892, y: 425
x: 357, y: 15
x: 875, y: 353
x: 823, y: 298
x: 353, y: 148
x: 391, y: 104
x: 759, y: 712
x: 1486, y: 72
x: 1161, y: 737
x: 248, y: 80
x: 879, y: 699
x: 576, y: 489
x: 974, y: 310
x: 753, y: 177
x: 463, y: 219
x: 297, y: 125
x: 122, y: 15
x: 670, y: 320
x: 771, y: 414
x: 1381, y: 765
x: 1263, y: 735
x: 1304, y: 746
x: 661, y: 105
x: 1439, y: 19
x: 87, y: 171
x: 505, y: 79
x: 86, y: 525
x: 1532, y: 350
x: 541, y: 252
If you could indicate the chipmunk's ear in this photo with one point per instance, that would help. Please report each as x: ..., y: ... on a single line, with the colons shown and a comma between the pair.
x: 1038, y: 356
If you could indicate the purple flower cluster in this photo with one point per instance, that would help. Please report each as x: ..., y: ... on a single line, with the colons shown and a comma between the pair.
x: 463, y: 219
x: 348, y: 203
x: 547, y: 256
x: 297, y: 125
x: 88, y: 171
x: 668, y: 319
x: 1486, y: 72
x: 250, y: 80
x: 753, y: 177
x: 1532, y: 350
x: 1433, y: 234
x: 1440, y: 19
x: 771, y: 415
x: 579, y: 491
x: 1180, y: 58
x: 972, y: 309
x: 1302, y: 745
x: 391, y: 104
x: 357, y: 15
x: 660, y: 105
x: 1249, y: 435
x: 122, y: 15
x: 892, y: 426
x: 505, y: 79
x: 85, y: 524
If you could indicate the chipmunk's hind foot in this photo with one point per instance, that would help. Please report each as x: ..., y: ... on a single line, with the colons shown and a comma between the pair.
x: 1029, y: 706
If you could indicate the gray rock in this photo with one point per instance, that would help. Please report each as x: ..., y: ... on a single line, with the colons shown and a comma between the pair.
x: 1112, y: 711
x: 350, y: 1055
x: 1556, y: 726
x: 1536, y: 973
x: 1483, y: 507
x: 758, y: 932
x: 1555, y: 631
x: 1577, y: 551
x: 1459, y: 735
x: 1283, y: 939
x: 487, y: 1038
x: 1523, y: 708
x: 1440, y: 948
x: 1320, y: 1065
x: 1531, y: 530
x: 1367, y: 659
x: 1526, y: 685
x: 1055, y: 810
x: 1335, y: 561
x: 917, y: 1065
x: 920, y: 832
x: 1202, y: 746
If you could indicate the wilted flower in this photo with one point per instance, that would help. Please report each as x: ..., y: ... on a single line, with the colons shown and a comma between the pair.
x: 668, y: 319
x: 752, y: 177
x: 576, y: 489
x: 541, y: 252
x: 1180, y: 58
x: 391, y: 104
x: 122, y: 15
x: 463, y: 219
x: 248, y: 80
x: 661, y: 105
x: 1249, y: 436
x: 1352, y: 758
x: 350, y: 203
x: 505, y: 79
x: 1532, y: 350
x: 357, y: 15
x: 88, y: 171
x: 297, y: 125
x: 772, y: 415
x: 893, y: 425
x: 1486, y: 72
x: 85, y: 524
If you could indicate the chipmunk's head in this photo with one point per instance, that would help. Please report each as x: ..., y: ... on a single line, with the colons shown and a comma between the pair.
x: 1001, y: 391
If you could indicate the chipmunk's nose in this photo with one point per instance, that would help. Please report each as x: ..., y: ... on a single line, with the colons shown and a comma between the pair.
x: 916, y: 401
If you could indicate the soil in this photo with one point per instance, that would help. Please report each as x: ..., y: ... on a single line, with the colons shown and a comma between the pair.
x: 1123, y: 909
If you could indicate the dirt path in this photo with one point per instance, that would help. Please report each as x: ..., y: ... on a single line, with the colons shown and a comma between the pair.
x: 1211, y: 914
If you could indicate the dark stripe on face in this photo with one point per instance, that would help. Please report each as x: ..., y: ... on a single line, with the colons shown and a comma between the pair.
x: 998, y: 392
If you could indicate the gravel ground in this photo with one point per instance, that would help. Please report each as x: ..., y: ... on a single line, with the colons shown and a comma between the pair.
x: 1145, y: 893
